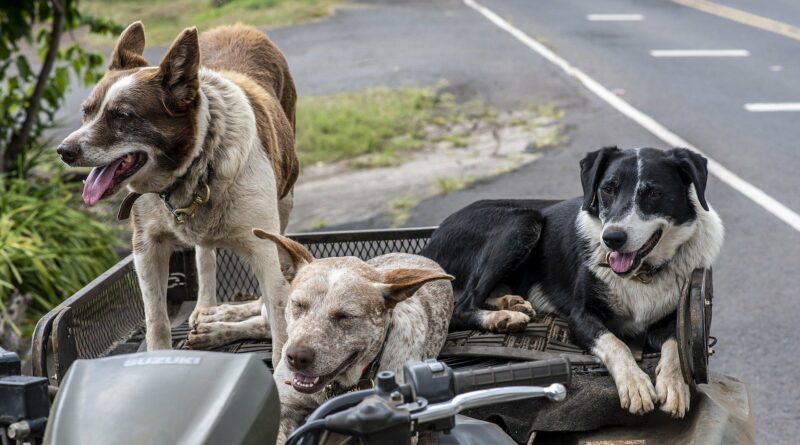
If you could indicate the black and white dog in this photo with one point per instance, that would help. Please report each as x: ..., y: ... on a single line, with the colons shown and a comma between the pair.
x: 613, y: 262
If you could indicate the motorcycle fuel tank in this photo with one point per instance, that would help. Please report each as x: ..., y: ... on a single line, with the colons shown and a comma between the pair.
x: 166, y: 397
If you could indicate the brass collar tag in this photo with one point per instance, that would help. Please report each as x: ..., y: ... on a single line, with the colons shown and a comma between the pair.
x: 180, y: 214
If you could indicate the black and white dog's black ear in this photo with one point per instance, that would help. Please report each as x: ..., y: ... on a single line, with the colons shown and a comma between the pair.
x: 693, y: 167
x: 592, y: 168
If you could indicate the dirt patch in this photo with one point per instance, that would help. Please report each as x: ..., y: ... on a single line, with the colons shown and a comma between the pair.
x: 456, y: 156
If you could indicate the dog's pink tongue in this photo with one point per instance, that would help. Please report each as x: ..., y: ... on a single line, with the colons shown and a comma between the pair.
x: 621, y: 262
x: 98, y: 181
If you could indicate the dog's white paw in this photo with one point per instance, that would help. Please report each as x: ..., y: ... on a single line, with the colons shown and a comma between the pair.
x: 505, y: 321
x: 512, y: 303
x: 673, y: 393
x: 224, y: 313
x: 194, y: 317
x: 636, y: 392
x: 209, y: 335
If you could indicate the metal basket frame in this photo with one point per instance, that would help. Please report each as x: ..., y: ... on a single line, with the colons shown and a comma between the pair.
x: 61, y: 337
x: 108, y: 312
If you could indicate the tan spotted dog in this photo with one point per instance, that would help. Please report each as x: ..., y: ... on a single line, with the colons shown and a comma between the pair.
x: 348, y: 318
x: 205, y: 141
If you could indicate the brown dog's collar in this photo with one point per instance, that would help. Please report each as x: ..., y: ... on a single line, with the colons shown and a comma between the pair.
x: 124, y: 211
x: 180, y: 214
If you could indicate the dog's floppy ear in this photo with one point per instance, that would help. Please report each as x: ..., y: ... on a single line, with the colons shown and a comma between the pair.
x: 693, y: 167
x: 592, y: 168
x: 293, y: 254
x: 179, y: 70
x: 400, y: 284
x: 130, y: 49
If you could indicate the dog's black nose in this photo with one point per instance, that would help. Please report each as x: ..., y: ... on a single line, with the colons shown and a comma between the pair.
x: 300, y: 357
x: 68, y: 151
x: 615, y: 239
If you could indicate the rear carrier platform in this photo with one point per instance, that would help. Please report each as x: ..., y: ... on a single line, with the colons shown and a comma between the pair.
x: 107, y: 318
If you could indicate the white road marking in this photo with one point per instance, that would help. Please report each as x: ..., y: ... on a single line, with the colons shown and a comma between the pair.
x: 699, y: 53
x: 614, y: 17
x: 770, y: 204
x: 778, y: 106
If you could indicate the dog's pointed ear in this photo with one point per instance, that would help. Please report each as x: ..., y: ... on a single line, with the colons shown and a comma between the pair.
x: 693, y: 168
x: 400, y: 284
x: 129, y: 52
x: 180, y: 70
x: 593, y: 165
x: 293, y: 254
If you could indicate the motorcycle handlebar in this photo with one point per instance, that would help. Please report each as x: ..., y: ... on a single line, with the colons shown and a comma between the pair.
x: 539, y: 373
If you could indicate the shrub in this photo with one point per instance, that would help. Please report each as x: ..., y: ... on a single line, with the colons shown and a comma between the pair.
x: 48, y: 248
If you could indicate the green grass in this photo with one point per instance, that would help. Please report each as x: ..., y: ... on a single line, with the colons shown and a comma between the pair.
x: 164, y: 19
x: 368, y: 127
x: 452, y: 184
x: 319, y: 224
x: 400, y: 209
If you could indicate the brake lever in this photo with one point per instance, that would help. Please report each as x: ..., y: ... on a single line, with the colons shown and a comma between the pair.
x: 555, y: 392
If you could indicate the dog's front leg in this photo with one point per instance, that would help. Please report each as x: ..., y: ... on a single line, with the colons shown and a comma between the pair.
x: 672, y: 390
x: 266, y: 265
x: 224, y: 324
x: 206, y: 260
x: 636, y: 392
x: 151, y: 259
x: 207, y: 311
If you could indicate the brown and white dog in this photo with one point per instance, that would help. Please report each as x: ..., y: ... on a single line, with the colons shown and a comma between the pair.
x: 207, y: 139
x: 347, y: 318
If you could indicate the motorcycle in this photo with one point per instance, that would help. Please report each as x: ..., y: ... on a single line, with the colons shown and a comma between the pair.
x: 193, y: 397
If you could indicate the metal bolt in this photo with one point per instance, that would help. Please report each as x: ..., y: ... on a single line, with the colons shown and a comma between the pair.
x: 711, y: 351
x: 19, y: 430
x: 396, y: 397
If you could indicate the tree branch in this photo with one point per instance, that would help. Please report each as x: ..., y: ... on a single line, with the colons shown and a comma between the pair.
x: 19, y: 140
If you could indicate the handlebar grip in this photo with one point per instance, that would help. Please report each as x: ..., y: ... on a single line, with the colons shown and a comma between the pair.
x: 538, y: 373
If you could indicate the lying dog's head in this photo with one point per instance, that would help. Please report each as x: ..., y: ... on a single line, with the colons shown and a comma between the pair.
x: 139, y: 123
x: 647, y: 201
x: 337, y: 313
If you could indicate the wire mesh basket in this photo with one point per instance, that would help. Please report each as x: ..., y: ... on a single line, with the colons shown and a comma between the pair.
x: 107, y: 316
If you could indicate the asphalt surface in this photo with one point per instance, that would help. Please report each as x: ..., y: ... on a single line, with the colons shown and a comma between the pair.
x: 702, y: 99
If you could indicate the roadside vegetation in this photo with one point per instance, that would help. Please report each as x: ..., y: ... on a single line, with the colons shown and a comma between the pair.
x: 164, y: 19
x: 370, y: 128
x: 400, y: 209
x: 49, y: 247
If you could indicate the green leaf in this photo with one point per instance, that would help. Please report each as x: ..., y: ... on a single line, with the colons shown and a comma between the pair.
x: 23, y: 67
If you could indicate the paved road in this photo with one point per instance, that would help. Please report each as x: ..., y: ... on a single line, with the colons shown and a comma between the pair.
x: 701, y: 99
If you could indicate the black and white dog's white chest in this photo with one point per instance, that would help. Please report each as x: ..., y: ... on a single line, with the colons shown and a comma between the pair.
x: 634, y: 306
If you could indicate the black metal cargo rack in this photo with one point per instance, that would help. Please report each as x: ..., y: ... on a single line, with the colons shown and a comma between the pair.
x: 107, y: 317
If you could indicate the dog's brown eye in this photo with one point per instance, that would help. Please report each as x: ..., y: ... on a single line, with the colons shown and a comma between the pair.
x: 608, y: 189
